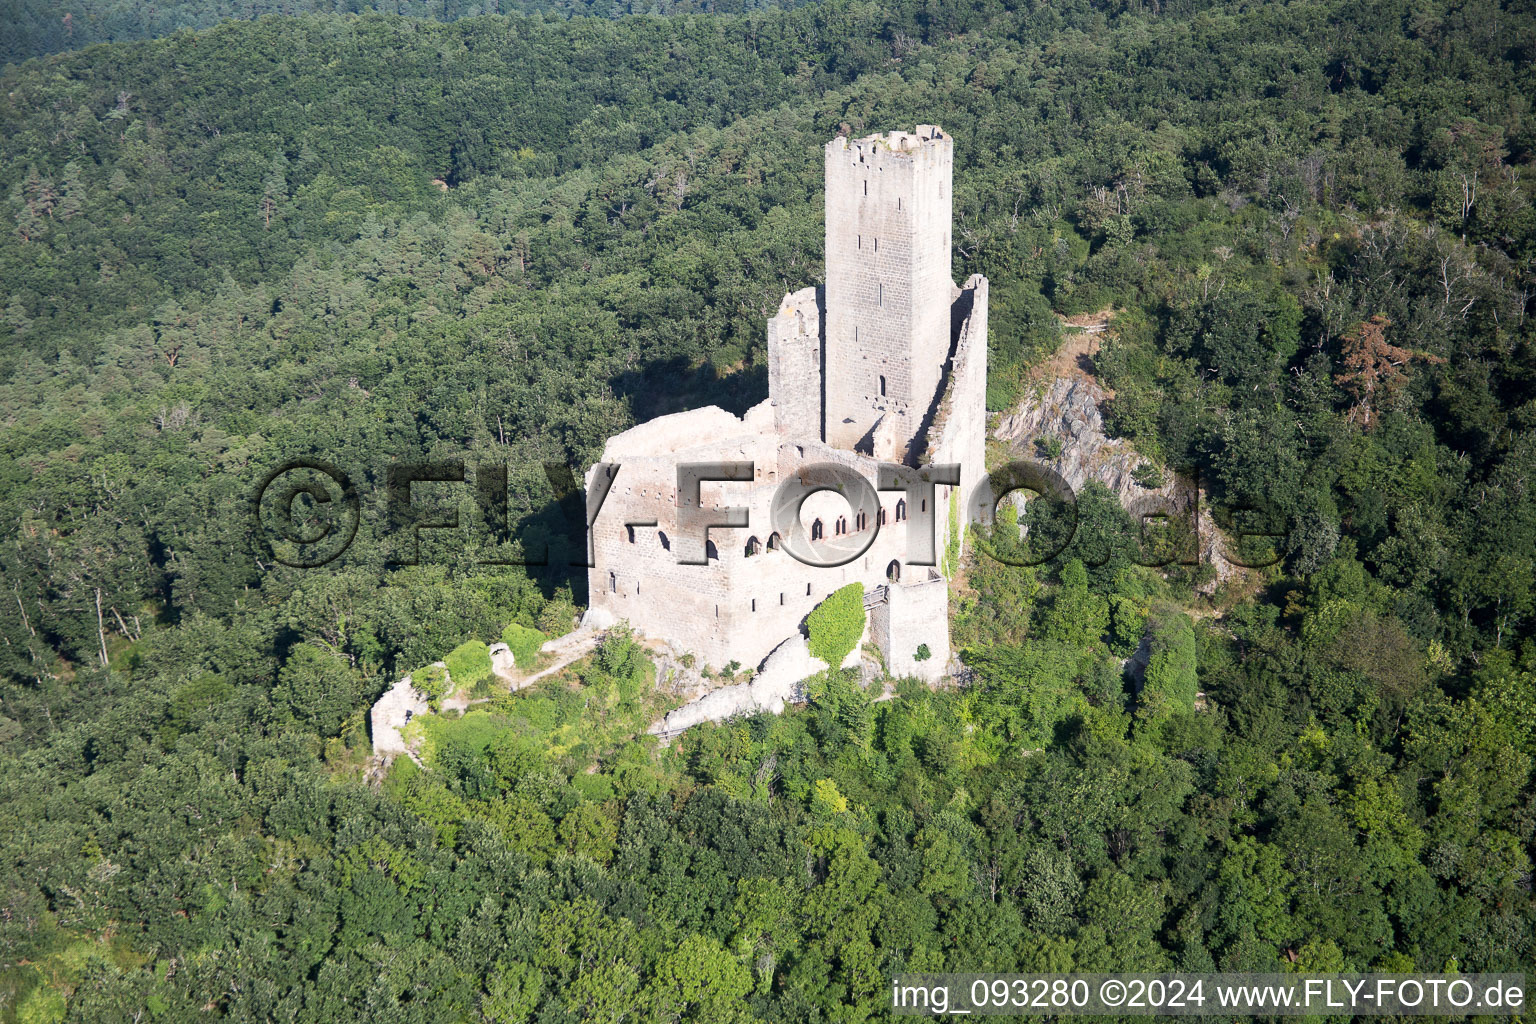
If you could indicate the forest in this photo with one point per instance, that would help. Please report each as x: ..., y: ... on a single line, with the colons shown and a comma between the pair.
x: 379, y: 237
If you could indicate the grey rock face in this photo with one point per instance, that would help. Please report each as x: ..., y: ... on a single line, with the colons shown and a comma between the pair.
x: 1069, y: 410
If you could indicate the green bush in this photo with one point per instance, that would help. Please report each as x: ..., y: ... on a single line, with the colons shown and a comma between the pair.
x: 836, y: 624
x: 524, y: 643
x: 432, y: 683
x: 1147, y: 475
x: 468, y: 663
x: 923, y: 653
x: 1171, y: 679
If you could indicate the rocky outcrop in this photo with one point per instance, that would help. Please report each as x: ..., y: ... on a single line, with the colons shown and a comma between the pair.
x: 1068, y: 409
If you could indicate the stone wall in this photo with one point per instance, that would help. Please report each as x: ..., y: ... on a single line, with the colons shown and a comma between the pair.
x: 739, y: 607
x: 906, y: 616
x: 794, y: 364
x: 393, y: 711
x: 958, y: 431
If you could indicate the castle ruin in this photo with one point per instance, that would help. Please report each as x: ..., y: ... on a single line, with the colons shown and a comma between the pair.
x: 881, y: 374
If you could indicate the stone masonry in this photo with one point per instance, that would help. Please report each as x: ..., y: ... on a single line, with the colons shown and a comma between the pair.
x: 884, y: 365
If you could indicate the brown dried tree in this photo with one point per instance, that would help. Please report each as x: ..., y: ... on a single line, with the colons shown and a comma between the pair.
x: 1375, y: 369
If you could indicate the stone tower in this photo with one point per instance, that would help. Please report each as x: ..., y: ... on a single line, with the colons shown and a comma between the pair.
x: 888, y: 290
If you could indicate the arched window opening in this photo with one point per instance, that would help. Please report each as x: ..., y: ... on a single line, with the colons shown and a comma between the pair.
x: 773, y: 542
x: 882, y: 515
x: 882, y: 385
x: 752, y: 547
x: 666, y: 545
x: 901, y: 509
x: 817, y: 530
x: 613, y: 584
x: 842, y: 525
x: 711, y: 552
x: 893, y: 571
x: 861, y: 521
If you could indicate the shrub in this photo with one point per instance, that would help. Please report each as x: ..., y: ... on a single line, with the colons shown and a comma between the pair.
x: 431, y: 682
x: 836, y: 624
x: 558, y: 615
x: 1049, y: 447
x: 923, y: 653
x: 524, y: 642
x: 619, y: 656
x: 1171, y: 679
x: 468, y: 663
x: 1147, y: 475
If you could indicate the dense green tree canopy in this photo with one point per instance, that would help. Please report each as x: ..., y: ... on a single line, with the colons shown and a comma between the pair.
x: 380, y: 239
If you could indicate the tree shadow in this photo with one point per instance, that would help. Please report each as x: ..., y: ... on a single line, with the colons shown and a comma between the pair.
x: 677, y: 385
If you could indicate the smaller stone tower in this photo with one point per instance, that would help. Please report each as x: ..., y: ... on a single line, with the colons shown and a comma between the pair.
x: 889, y: 290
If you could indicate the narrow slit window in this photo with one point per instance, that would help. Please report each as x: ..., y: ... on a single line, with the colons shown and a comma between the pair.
x: 882, y: 385
x: 866, y: 186
x: 877, y: 245
x: 880, y: 294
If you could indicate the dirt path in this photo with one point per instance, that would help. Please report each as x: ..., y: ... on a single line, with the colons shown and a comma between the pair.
x: 1081, y: 336
x: 567, y: 649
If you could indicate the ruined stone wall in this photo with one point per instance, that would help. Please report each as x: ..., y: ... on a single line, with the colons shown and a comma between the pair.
x: 739, y: 606
x: 891, y: 313
x: 794, y: 364
x: 906, y: 616
x: 888, y: 217
x: 959, y: 428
